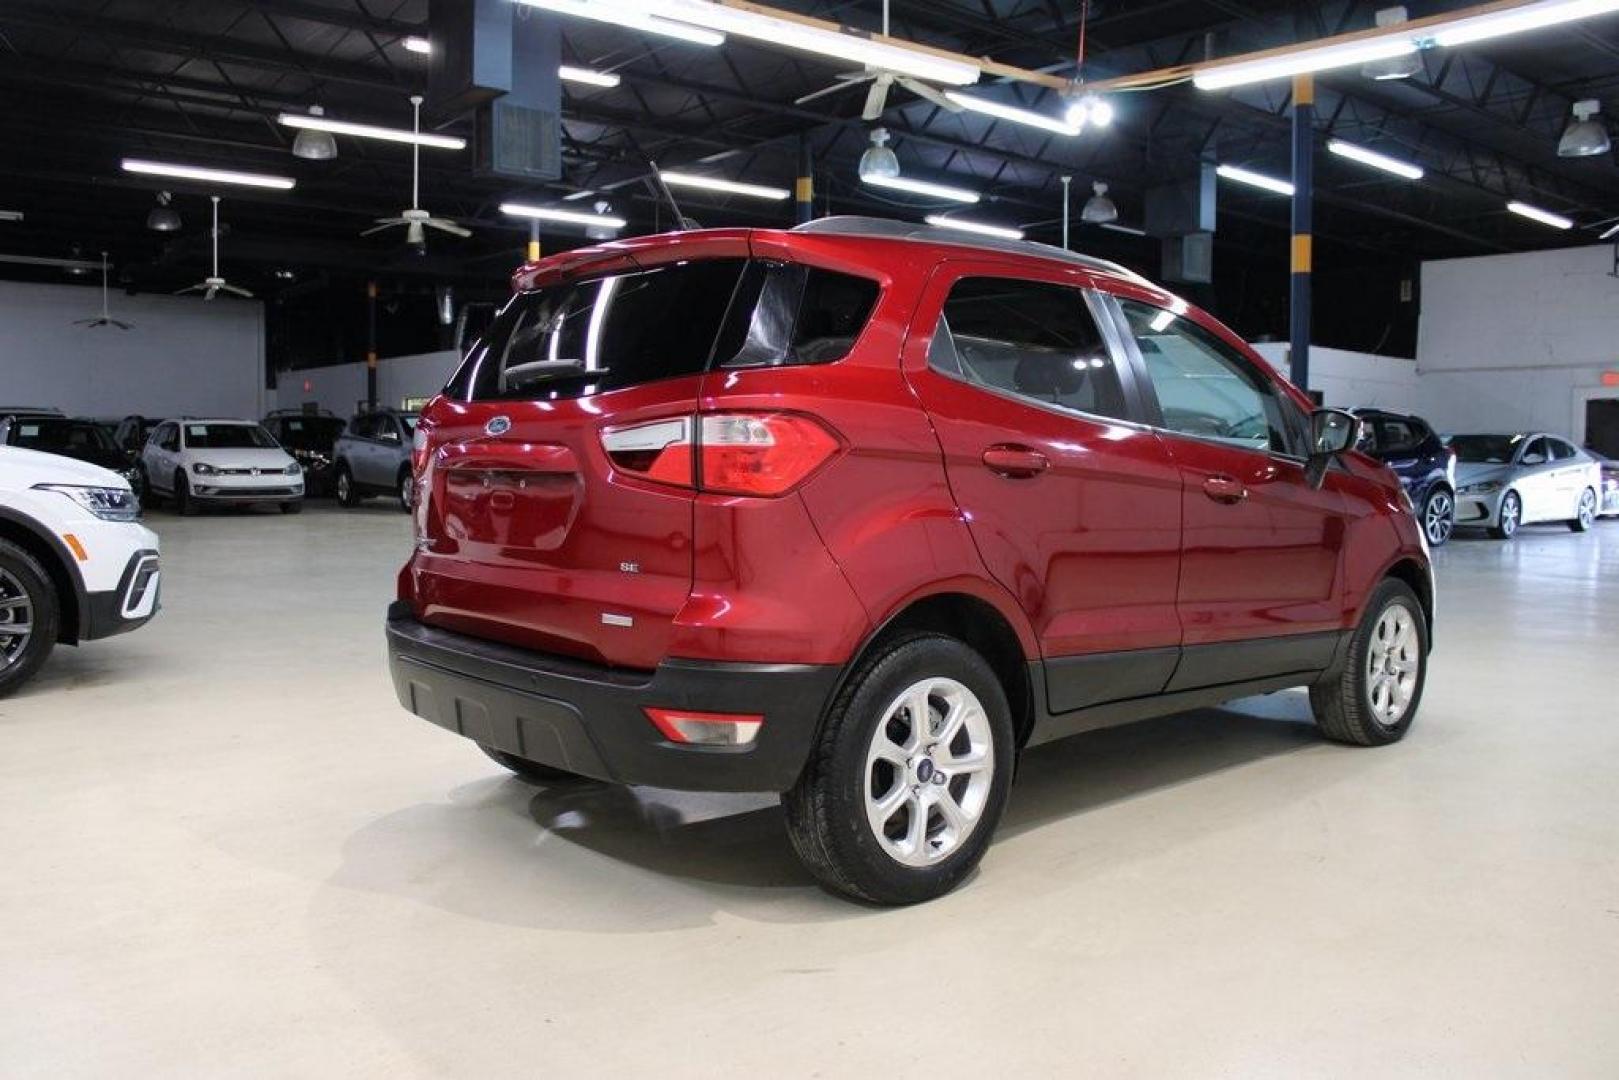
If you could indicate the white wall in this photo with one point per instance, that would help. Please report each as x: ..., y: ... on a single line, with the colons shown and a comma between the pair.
x: 1351, y: 379
x: 1518, y: 341
x: 184, y: 355
x: 341, y: 387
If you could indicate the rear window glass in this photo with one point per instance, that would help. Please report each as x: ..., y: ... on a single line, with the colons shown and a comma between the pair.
x: 588, y: 337
x: 59, y: 435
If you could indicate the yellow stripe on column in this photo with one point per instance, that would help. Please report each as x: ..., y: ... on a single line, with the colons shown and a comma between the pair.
x: 1301, y: 254
x: 806, y: 189
x: 533, y: 251
x: 1304, y: 89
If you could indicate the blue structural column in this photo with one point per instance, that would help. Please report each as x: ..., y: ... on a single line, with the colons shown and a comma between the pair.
x: 1303, y: 193
x: 805, y: 189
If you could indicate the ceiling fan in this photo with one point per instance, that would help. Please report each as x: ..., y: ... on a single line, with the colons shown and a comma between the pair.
x: 416, y: 218
x: 881, y: 82
x: 104, y: 319
x: 212, y: 285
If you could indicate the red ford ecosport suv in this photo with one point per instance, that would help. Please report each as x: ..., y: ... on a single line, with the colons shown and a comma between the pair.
x: 855, y: 512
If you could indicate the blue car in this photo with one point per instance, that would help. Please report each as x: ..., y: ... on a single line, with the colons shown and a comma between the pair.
x: 1424, y: 464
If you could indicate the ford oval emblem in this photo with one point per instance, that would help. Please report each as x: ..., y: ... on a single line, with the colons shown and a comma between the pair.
x: 498, y: 425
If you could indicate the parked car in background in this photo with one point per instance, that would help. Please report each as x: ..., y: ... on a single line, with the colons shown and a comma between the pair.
x: 75, y: 562
x: 1608, y: 497
x: 132, y: 433
x: 373, y: 457
x: 1425, y: 465
x: 311, y: 439
x: 79, y: 438
x: 855, y: 512
x: 215, y: 462
x: 1505, y: 481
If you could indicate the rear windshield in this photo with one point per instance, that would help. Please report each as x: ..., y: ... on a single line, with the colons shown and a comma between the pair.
x: 59, y: 435
x: 588, y: 337
x: 1485, y: 449
x: 228, y: 437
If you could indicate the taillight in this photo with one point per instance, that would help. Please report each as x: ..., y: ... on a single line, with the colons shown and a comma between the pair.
x: 418, y: 449
x: 736, y: 453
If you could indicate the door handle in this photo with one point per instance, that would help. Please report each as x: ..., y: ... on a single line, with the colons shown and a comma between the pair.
x: 1016, y: 462
x: 1224, y: 489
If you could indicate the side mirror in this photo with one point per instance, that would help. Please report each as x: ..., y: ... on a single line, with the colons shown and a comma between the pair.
x: 1332, y: 432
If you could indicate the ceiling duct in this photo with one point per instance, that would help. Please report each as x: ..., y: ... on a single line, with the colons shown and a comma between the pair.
x: 499, y: 60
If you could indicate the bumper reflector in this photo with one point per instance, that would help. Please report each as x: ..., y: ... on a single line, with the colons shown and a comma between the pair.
x: 705, y: 729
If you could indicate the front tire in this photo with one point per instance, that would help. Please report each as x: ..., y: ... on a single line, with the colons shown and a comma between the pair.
x: 1511, y: 517
x: 1586, y: 516
x: 1372, y: 697
x: 30, y: 614
x: 909, y: 778
x: 183, y: 502
x: 524, y: 769
x: 406, y: 490
x: 348, y: 492
x: 1438, y: 516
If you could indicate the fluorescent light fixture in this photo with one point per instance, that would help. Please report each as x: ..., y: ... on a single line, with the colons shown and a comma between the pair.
x: 567, y: 217
x: 1346, y: 54
x: 586, y: 76
x: 212, y: 176
x: 1519, y: 19
x: 1610, y: 234
x: 792, y: 34
x: 419, y: 45
x: 370, y: 131
x: 10, y: 215
x: 1254, y: 179
x: 1160, y: 322
x: 583, y: 194
x: 1128, y: 230
x: 1374, y: 159
x: 729, y: 187
x: 943, y: 222
x: 1545, y: 217
x: 922, y: 187
x: 631, y: 18
x: 1013, y: 113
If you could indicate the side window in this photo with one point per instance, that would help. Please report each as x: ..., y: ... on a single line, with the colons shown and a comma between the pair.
x: 1398, y: 437
x: 1367, y: 442
x: 1561, y: 451
x: 786, y: 313
x: 1029, y: 338
x: 1207, y: 389
x: 387, y: 430
x: 1535, y: 453
x: 170, y: 439
x: 364, y: 427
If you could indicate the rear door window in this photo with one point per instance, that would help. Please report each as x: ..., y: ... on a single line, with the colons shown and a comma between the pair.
x: 1398, y: 436
x: 1030, y: 339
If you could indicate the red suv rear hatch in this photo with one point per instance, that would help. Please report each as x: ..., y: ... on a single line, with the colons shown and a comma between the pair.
x: 527, y: 532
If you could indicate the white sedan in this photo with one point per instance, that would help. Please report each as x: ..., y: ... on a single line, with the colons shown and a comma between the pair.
x: 1504, y: 481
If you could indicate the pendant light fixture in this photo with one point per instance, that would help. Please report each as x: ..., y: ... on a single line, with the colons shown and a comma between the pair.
x: 163, y: 217
x: 312, y: 144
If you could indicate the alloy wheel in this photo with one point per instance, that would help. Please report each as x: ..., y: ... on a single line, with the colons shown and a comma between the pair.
x: 1393, y: 663
x: 1511, y: 511
x: 343, y: 487
x: 1588, y: 509
x: 929, y: 771
x: 16, y: 619
x: 1440, y: 518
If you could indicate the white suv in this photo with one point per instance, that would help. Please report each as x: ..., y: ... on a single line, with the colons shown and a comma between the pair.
x: 220, y: 461
x: 75, y: 562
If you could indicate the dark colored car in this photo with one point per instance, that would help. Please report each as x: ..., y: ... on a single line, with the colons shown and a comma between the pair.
x: 132, y: 433
x: 76, y: 437
x: 311, y: 439
x: 1419, y: 457
x: 373, y: 457
x: 857, y: 511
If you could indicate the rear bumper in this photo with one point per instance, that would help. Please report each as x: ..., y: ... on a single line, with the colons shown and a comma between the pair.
x: 588, y: 719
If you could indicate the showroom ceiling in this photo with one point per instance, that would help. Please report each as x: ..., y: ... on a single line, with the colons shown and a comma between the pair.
x: 89, y: 82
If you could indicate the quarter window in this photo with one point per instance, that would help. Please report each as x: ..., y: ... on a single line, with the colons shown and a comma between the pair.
x: 1206, y: 389
x: 1031, y: 339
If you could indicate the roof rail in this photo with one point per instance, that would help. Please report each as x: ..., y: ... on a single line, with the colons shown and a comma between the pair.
x: 31, y: 410
x: 889, y: 228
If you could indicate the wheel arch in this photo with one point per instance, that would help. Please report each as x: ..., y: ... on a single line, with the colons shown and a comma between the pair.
x: 1412, y: 573
x: 58, y: 564
x: 1005, y: 641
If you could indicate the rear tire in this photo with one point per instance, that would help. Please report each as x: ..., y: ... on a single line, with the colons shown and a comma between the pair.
x: 1371, y: 698
x: 27, y: 599
x: 1508, y: 528
x: 871, y: 817
x: 406, y: 489
x: 347, y: 491
x: 1586, y: 516
x: 524, y: 769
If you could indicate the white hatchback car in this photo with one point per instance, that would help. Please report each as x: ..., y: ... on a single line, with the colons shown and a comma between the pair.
x: 75, y: 561
x: 194, y: 462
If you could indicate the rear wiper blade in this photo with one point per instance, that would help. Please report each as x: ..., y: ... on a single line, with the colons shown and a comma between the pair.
x: 548, y: 370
